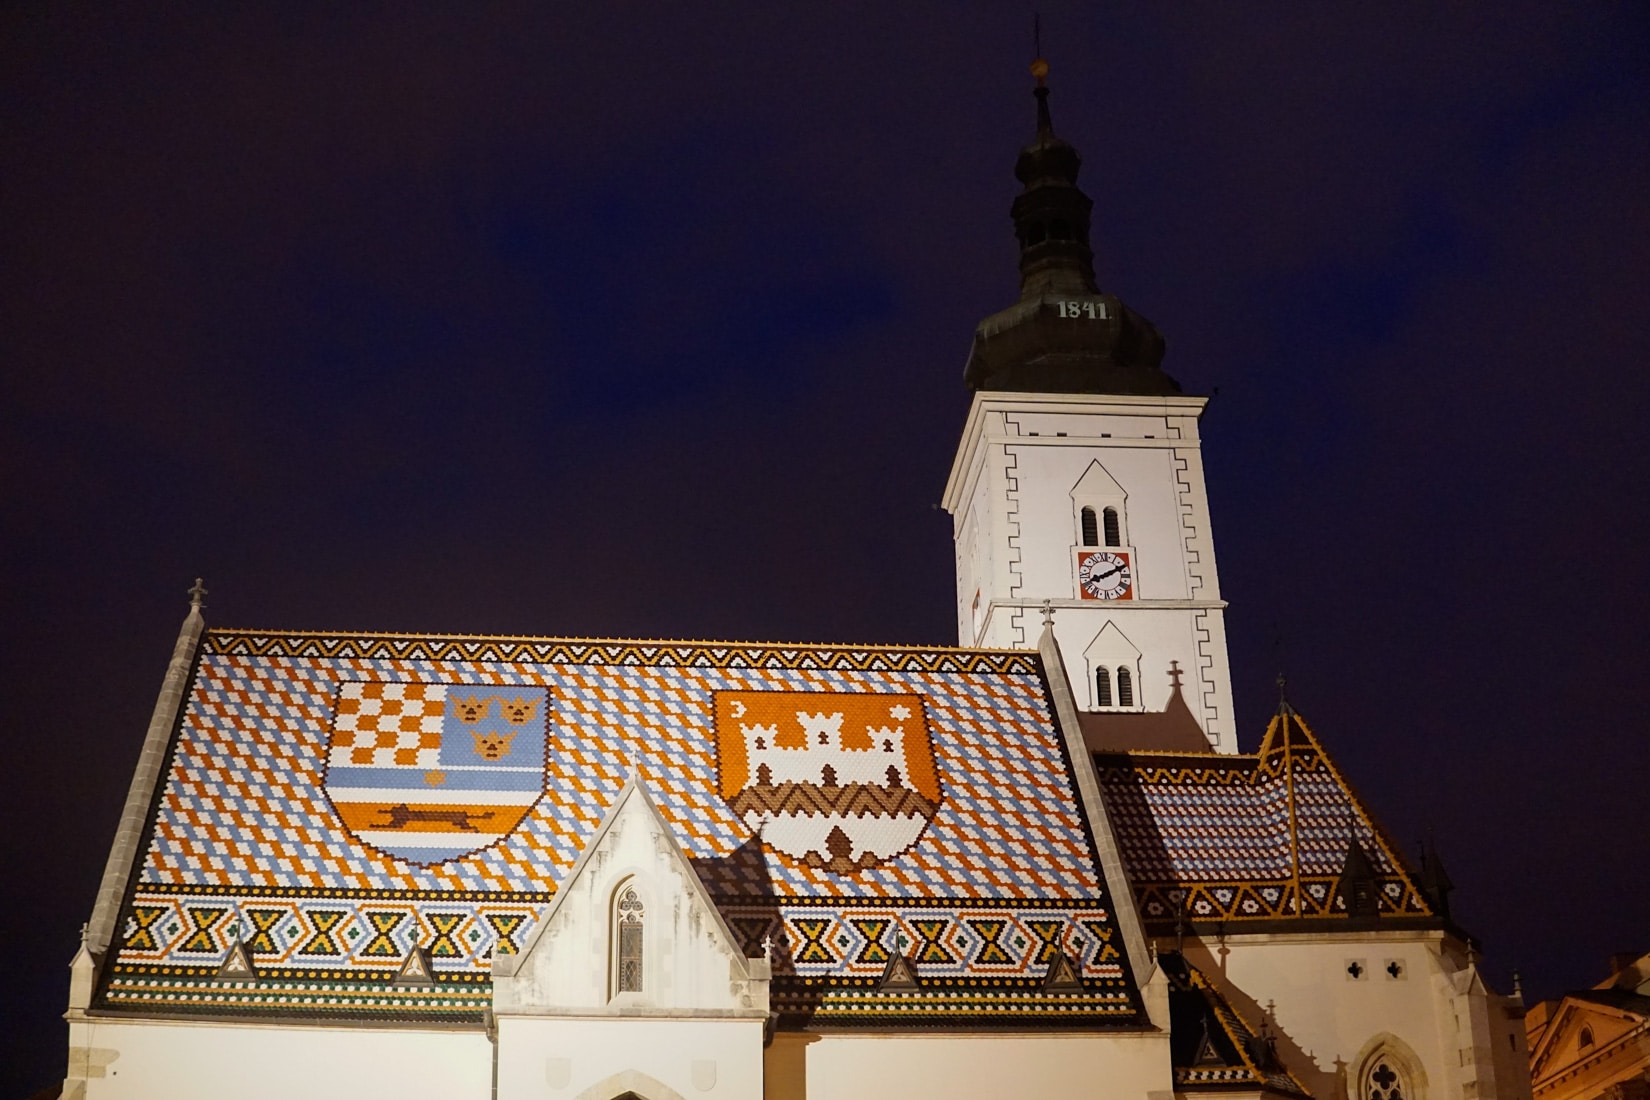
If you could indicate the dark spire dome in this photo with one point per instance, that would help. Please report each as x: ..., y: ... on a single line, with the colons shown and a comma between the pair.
x: 1064, y: 335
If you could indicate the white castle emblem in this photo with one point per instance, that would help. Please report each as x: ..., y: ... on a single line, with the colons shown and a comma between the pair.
x: 841, y: 781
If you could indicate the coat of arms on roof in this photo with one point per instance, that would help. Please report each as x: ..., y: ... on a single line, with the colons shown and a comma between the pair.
x: 841, y: 781
x: 432, y: 772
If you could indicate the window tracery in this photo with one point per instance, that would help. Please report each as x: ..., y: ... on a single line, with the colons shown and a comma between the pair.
x: 1383, y: 1081
x: 628, y: 918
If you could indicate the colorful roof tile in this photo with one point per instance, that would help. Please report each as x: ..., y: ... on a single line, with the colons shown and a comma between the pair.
x: 1213, y: 1047
x: 1248, y: 838
x: 335, y: 802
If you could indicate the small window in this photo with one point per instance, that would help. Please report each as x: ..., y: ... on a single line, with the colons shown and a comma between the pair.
x: 1102, y: 687
x: 627, y: 933
x: 1125, y: 688
x: 1114, y: 536
x: 1586, y: 1039
x: 1091, y: 530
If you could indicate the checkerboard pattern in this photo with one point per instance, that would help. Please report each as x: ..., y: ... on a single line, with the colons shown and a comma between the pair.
x: 384, y: 725
x: 245, y: 839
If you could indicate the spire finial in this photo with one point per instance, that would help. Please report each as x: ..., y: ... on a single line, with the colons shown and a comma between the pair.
x: 1039, y: 70
x: 1283, y: 696
x: 1048, y: 612
x: 197, y: 594
x: 1174, y: 675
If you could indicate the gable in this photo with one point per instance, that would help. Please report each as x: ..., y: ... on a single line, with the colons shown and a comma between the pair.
x: 684, y: 958
x: 1097, y: 484
x: 1583, y: 1028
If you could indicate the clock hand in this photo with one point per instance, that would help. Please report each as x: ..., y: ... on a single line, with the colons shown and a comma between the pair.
x: 1107, y: 573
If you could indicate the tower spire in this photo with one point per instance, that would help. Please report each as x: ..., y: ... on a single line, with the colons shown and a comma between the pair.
x: 1064, y: 335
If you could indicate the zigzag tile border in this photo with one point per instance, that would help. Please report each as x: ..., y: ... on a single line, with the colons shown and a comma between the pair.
x: 582, y: 652
x: 338, y: 933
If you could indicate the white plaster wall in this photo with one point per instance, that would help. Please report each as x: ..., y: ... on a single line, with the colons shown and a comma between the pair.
x: 1048, y: 527
x: 999, y: 1066
x: 1161, y: 636
x: 201, y: 1061
x: 1087, y: 422
x: 548, y: 1059
x: 1328, y: 1020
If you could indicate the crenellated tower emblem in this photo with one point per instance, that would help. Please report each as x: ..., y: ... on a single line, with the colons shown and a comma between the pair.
x: 841, y: 781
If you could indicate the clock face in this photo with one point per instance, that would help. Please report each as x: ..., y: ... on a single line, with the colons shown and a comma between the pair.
x: 1104, y: 575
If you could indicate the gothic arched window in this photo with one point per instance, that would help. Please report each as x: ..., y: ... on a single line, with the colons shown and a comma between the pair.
x: 1384, y: 1081
x: 1102, y: 687
x: 1091, y: 530
x: 1125, y: 688
x: 628, y: 916
x: 1114, y: 536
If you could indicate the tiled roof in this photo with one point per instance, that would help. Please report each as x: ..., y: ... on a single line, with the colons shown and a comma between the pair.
x: 1247, y: 838
x: 1212, y: 1046
x: 334, y: 801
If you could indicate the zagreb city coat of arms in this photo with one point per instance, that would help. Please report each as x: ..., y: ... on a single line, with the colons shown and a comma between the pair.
x: 841, y: 781
x: 431, y: 772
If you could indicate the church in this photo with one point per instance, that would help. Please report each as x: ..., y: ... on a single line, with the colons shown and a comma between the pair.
x: 1035, y: 864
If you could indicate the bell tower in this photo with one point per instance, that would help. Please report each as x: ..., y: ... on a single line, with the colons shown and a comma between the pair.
x: 1079, y: 478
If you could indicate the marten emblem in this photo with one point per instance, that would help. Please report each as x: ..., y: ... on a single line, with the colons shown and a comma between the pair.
x: 432, y: 772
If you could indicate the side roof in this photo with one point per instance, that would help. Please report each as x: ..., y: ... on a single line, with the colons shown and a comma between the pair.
x: 1262, y: 841
x: 333, y: 802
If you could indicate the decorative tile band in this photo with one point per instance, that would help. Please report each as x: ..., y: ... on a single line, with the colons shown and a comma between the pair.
x: 567, y: 651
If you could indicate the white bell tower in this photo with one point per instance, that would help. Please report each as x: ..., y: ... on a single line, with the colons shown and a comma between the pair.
x: 1079, y: 479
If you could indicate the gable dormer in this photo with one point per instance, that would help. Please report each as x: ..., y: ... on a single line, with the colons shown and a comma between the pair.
x: 632, y: 932
x: 1098, y: 509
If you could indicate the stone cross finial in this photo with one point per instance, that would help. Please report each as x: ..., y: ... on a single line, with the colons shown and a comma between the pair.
x: 197, y: 594
x: 767, y: 948
x: 1048, y: 612
x: 1174, y: 675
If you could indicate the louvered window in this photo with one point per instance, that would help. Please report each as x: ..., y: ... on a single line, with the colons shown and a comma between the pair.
x: 1091, y: 530
x: 1114, y: 536
x: 1125, y: 688
x: 1102, y: 687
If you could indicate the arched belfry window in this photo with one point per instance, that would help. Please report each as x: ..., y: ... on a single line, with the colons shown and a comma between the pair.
x: 1114, y: 536
x: 1125, y: 688
x: 1384, y: 1080
x: 1102, y: 687
x: 1091, y: 530
x: 628, y: 918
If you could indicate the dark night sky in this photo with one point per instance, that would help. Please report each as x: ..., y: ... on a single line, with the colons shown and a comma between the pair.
x: 646, y: 322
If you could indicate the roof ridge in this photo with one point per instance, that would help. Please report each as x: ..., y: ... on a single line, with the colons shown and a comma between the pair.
x: 1277, y: 731
x: 565, y: 639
